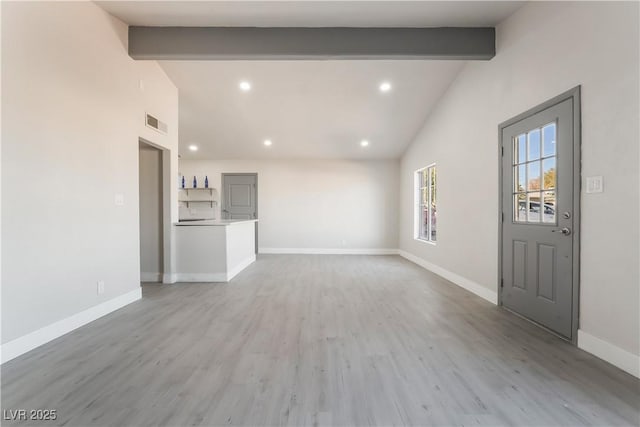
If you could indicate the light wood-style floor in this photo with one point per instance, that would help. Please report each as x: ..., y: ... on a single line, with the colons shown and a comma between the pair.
x: 318, y: 340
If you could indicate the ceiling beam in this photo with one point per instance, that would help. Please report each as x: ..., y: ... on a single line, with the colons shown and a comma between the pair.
x: 291, y: 43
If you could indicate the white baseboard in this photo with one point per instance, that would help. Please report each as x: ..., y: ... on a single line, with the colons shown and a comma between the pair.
x: 150, y: 277
x: 238, y: 268
x: 215, y: 277
x: 608, y: 352
x: 328, y: 251
x: 169, y: 278
x: 201, y: 277
x: 25, y: 343
x: 463, y: 282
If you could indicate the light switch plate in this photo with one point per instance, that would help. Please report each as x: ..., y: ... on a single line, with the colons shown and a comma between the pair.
x: 595, y: 184
x: 118, y: 199
x: 100, y: 287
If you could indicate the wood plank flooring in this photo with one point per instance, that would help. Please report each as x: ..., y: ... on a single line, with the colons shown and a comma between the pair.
x: 317, y: 340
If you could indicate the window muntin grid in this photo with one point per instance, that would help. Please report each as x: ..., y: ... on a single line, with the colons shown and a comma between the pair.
x: 535, y: 175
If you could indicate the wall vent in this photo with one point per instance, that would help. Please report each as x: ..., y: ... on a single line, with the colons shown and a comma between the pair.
x: 156, y: 124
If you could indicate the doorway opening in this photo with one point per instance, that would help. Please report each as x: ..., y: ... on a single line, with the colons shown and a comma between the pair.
x: 151, y: 201
x: 240, y: 197
x: 540, y: 214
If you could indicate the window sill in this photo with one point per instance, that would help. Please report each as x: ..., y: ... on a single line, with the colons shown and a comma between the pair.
x: 428, y: 242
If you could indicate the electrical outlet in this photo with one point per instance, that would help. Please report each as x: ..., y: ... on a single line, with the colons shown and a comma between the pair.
x: 100, y: 287
x: 118, y: 199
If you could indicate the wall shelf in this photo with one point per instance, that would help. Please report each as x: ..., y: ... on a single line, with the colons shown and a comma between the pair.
x: 197, y: 195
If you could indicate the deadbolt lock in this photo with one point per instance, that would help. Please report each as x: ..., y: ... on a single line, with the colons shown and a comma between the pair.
x: 566, y: 215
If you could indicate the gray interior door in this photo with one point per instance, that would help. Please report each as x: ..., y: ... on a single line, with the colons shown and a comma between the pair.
x: 538, y: 218
x: 239, y: 196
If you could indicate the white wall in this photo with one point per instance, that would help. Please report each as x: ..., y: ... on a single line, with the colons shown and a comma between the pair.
x: 543, y: 50
x: 72, y: 115
x: 150, y: 184
x: 319, y: 204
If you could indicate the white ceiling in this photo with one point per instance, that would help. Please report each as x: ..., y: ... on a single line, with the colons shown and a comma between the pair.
x: 309, y: 109
x: 311, y: 13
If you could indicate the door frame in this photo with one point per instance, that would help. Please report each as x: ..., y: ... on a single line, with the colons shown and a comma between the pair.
x: 574, y: 96
x: 162, y: 213
x: 224, y: 199
x: 167, y: 223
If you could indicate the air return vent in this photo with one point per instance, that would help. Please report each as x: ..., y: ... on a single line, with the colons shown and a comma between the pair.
x: 156, y: 124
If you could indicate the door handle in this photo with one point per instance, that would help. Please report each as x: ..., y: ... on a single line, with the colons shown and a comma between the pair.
x: 565, y: 231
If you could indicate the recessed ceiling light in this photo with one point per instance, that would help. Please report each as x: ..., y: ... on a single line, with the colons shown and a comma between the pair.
x: 364, y: 143
x: 267, y: 142
x: 385, y: 87
x: 193, y: 147
x: 245, y: 86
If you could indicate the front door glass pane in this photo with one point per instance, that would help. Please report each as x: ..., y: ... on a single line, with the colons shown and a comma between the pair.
x: 549, y: 140
x: 549, y: 173
x: 534, y: 176
x: 520, y: 180
x: 534, y: 144
x: 520, y: 149
x: 549, y: 213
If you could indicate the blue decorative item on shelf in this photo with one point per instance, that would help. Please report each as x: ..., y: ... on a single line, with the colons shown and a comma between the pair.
x: 206, y: 182
x: 182, y: 181
x: 195, y: 182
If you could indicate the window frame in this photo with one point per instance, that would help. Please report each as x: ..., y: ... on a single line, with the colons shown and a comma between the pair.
x: 418, y: 208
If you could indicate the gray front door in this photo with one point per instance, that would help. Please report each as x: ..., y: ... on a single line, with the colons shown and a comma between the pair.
x: 239, y: 196
x: 538, y: 217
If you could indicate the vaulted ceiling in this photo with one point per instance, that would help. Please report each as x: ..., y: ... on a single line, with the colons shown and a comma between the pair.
x: 307, y: 109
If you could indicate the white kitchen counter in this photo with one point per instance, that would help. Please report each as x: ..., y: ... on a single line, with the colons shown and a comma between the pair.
x: 214, y: 250
x: 214, y: 222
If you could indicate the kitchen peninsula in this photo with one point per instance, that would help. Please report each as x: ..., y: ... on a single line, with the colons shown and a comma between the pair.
x: 214, y: 250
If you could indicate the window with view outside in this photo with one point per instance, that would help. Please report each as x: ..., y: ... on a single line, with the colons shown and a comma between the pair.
x: 534, y: 176
x: 426, y: 206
